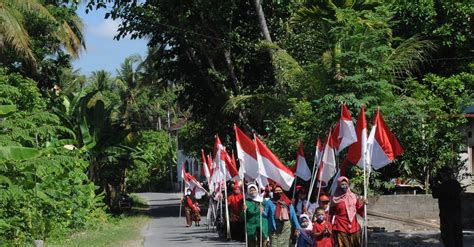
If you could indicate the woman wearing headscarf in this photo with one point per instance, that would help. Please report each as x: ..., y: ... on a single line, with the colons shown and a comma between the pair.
x: 236, y: 202
x: 254, y: 213
x: 305, y: 238
x: 344, y: 207
x: 190, y: 207
x: 281, y: 217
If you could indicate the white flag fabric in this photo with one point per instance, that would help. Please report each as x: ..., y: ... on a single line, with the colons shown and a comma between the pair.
x: 247, y: 154
x: 383, y: 146
x: 194, y: 185
x: 301, y: 168
x: 358, y: 150
x: 344, y: 134
x: 328, y: 166
x: 271, y: 167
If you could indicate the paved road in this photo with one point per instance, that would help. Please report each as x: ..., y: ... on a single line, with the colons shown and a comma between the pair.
x: 167, y: 229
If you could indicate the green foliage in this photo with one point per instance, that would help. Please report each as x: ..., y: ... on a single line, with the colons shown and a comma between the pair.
x: 156, y: 154
x: 43, y: 187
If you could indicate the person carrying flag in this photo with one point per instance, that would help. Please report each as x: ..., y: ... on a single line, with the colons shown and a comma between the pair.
x: 281, y: 217
x: 191, y: 209
x: 236, y: 202
x: 253, y: 210
x: 344, y: 207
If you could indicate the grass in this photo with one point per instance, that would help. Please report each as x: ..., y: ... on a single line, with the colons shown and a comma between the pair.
x: 138, y: 201
x: 120, y: 231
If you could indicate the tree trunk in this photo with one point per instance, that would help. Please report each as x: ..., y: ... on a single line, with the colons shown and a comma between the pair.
x: 230, y: 66
x: 261, y: 20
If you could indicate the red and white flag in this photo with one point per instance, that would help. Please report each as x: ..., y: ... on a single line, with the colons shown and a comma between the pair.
x: 209, y: 163
x: 231, y: 166
x: 328, y: 162
x: 205, y: 167
x: 357, y: 150
x: 344, y: 133
x: 318, y: 157
x: 246, y: 153
x: 301, y: 168
x: 383, y: 146
x: 272, y: 166
x: 194, y: 185
x: 223, y: 161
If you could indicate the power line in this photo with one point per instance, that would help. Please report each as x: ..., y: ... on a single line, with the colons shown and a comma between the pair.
x: 450, y: 58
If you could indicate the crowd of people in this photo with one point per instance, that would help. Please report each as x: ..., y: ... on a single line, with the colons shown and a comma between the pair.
x: 268, y: 217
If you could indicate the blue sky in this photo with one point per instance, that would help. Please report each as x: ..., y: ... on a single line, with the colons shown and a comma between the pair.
x: 103, y: 52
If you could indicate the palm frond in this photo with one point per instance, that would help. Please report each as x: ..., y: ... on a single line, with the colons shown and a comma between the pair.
x: 407, y: 57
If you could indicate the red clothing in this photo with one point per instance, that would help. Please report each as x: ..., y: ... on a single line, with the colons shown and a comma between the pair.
x: 322, y: 240
x: 236, y: 202
x: 341, y: 218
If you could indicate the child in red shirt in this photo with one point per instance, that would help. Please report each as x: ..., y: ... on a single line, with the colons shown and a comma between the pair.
x: 322, y: 229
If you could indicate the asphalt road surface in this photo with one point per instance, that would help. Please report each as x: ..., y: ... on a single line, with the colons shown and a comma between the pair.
x: 167, y: 229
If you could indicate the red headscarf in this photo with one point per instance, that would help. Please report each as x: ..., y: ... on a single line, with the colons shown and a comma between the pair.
x: 283, y: 198
x: 349, y: 198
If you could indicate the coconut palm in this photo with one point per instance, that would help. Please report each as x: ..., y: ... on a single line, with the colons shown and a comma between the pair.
x: 13, y: 33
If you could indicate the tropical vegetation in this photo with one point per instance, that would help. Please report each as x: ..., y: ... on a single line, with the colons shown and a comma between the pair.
x: 71, y: 145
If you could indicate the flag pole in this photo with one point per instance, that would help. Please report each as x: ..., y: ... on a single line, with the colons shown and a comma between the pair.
x: 245, y: 213
x: 226, y: 206
x: 294, y: 188
x: 313, y: 177
x: 316, y: 163
x: 366, y: 185
x: 182, y: 196
x: 261, y: 230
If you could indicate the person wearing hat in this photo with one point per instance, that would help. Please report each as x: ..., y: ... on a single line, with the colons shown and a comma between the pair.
x: 281, y: 217
x: 253, y: 211
x: 236, y: 203
x: 344, y: 207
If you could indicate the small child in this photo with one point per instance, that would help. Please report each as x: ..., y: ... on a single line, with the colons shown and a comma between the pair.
x: 322, y: 229
x: 304, y: 238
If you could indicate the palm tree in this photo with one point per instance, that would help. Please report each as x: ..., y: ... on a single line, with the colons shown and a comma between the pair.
x: 13, y: 32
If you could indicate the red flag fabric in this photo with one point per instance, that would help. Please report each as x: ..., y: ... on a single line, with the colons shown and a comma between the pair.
x: 301, y: 168
x: 246, y: 153
x: 344, y: 132
x: 328, y: 162
x: 194, y: 185
x: 272, y: 167
x: 357, y: 150
x: 383, y: 145
x: 205, y: 167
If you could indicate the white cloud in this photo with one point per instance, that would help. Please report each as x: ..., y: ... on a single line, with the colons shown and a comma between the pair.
x: 106, y: 29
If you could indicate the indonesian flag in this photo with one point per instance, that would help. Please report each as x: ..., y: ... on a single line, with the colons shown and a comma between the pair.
x: 328, y: 164
x: 194, y: 185
x: 209, y: 163
x: 301, y: 168
x: 318, y: 159
x: 344, y: 134
x: 357, y: 150
x: 223, y: 161
x: 205, y: 167
x: 246, y: 153
x: 272, y: 167
x: 231, y: 166
x: 383, y: 146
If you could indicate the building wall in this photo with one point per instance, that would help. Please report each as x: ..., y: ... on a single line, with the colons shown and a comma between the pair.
x: 418, y: 207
